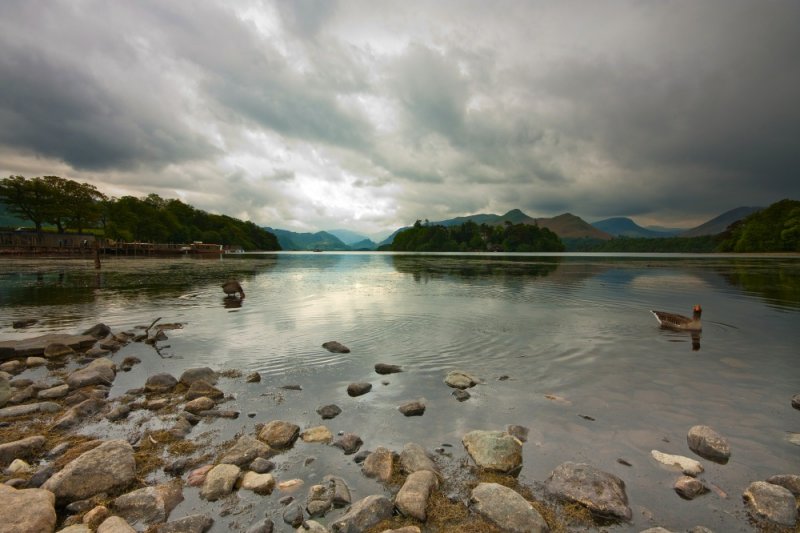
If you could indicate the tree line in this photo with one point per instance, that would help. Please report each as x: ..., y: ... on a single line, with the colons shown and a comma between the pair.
x: 774, y: 229
x: 471, y: 237
x: 69, y: 205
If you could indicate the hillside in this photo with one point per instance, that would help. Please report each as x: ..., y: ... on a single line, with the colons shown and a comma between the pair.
x: 569, y: 226
x: 625, y: 227
x: 774, y: 229
x: 321, y: 240
x: 720, y: 223
x: 348, y: 237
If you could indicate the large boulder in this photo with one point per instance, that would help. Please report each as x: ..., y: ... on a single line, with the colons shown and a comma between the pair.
x: 507, y: 509
x: 106, y: 468
x: 496, y: 451
x: 709, y: 444
x: 149, y: 505
x: 771, y: 503
x: 26, y: 511
x: 364, y: 514
x: 600, y: 492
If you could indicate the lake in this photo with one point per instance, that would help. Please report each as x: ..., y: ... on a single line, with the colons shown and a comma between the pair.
x: 565, y: 345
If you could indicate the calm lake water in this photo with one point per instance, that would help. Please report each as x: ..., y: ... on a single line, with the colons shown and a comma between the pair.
x: 566, y: 346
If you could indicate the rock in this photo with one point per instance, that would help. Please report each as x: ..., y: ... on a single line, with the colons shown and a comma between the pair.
x: 78, y: 413
x: 23, y: 448
x: 312, y: 526
x: 336, y: 347
x: 253, y: 377
x: 412, y: 499
x: 12, y: 368
x: 18, y: 466
x: 40, y: 476
x: 460, y: 380
x: 33, y: 362
x: 245, y: 450
x: 379, y: 464
x: 349, y: 442
x: 317, y: 434
x: 128, y: 363
x: 384, y: 368
x: 264, y: 526
x: 23, y: 323
x: 708, y: 444
x: 320, y: 499
x: 96, y: 516
x: 507, y: 509
x: 23, y: 395
x: 772, y: 503
x: 600, y: 492
x: 328, y: 411
x: 98, y: 331
x: 27, y: 510
x: 293, y: 514
x: 76, y: 528
x: 98, y: 372
x: 115, y: 524
x: 198, y: 405
x: 95, y: 351
x: 258, y: 483
x: 688, y: 466
x: 201, y: 388
x: 414, y: 458
x: 657, y: 529
x: 415, y: 408
x: 259, y: 465
x: 53, y: 393
x: 796, y: 401
x: 106, y: 468
x: 29, y: 409
x: 219, y: 482
x: 689, y: 488
x: 57, y: 349
x: 341, y: 492
x: 406, y: 529
x: 5, y: 390
x: 37, y: 345
x: 361, y: 456
x: 198, y: 476
x: 118, y: 413
x: 192, y: 375
x: 519, y: 432
x: 196, y: 523
x: 279, y: 433
x: 461, y: 395
x: 787, y: 481
x: 290, y: 485
x: 364, y: 514
x: 494, y: 450
x: 358, y: 389
x: 149, y: 505
x: 160, y: 383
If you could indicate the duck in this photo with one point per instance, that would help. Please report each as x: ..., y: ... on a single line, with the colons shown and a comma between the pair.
x: 680, y: 322
x: 231, y: 287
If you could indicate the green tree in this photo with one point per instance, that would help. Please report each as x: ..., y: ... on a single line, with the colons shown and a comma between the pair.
x: 27, y: 198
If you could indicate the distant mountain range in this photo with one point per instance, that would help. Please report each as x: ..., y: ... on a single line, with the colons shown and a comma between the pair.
x: 625, y: 227
x: 321, y: 240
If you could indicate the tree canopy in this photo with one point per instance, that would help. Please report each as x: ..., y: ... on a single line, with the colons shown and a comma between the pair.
x: 774, y: 229
x: 67, y: 204
x: 470, y: 237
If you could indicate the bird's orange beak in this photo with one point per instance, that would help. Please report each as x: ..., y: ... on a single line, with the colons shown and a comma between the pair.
x: 697, y: 308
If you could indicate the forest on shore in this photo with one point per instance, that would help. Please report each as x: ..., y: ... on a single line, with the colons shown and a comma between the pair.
x: 471, y: 237
x: 66, y: 205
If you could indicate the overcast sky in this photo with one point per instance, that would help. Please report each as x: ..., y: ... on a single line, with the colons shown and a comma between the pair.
x: 368, y: 115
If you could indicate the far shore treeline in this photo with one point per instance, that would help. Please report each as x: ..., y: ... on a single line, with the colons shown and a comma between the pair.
x: 470, y: 237
x: 68, y: 205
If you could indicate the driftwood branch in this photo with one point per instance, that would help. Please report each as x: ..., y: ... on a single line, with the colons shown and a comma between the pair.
x: 147, y: 329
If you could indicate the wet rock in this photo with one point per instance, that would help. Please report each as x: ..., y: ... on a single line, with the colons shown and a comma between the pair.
x: 329, y: 411
x: 406, y: 529
x: 796, y: 401
x: 57, y: 349
x: 600, y: 492
x: 415, y: 408
x: 341, y: 492
x: 23, y: 323
x: 202, y: 388
x: 258, y: 483
x: 317, y: 434
x: 106, y: 468
x: 290, y: 485
x: 196, y: 523
x: 181, y: 428
x: 292, y: 387
x: 18, y: 466
x: 198, y: 476
x: 245, y: 450
x: 98, y: 331
x: 320, y: 499
x: 193, y: 375
x: 24, y: 395
x: 27, y: 447
x: 358, y: 389
x: 689, y: 488
x: 708, y: 444
x: 149, y: 505
x: 657, y: 529
x: 53, y: 393
x: 519, y: 432
x: 219, y: 413
x: 76, y: 528
x: 412, y: 499
x: 119, y: 412
x: 12, y: 367
x: 385, y: 368
x: 128, y: 363
x: 379, y: 464
x: 264, y: 526
x: 5, y: 390
x: 26, y: 510
x: 688, y: 466
x: 41, y: 475
x: 29, y: 409
x: 160, y: 383
x: 219, y: 482
x: 279, y: 433
x: 293, y: 514
x: 259, y: 465
x: 253, y: 377
x: 96, y: 516
x: 33, y: 362
x: 461, y: 395
x: 336, y: 347
x: 414, y: 458
x: 771, y: 503
x: 460, y: 380
x: 312, y: 526
x: 203, y: 403
x: 349, y: 442
x: 98, y: 372
x: 361, y: 456
x: 494, y: 450
x: 95, y: 351
x: 787, y: 481
x: 364, y: 514
x: 507, y: 509
x: 78, y: 413
x: 115, y: 524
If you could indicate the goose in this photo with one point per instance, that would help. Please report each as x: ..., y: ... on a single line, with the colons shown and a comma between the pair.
x: 231, y: 287
x: 680, y: 322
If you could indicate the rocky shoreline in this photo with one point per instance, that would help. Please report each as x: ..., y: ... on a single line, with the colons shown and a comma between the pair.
x: 57, y: 478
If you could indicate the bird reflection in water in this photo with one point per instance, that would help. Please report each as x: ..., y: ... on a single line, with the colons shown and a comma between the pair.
x: 234, y: 294
x: 232, y: 302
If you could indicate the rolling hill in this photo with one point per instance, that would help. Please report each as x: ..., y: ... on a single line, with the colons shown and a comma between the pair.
x: 720, y: 223
x: 625, y: 227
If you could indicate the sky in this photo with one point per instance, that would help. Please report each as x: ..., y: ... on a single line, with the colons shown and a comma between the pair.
x: 369, y: 115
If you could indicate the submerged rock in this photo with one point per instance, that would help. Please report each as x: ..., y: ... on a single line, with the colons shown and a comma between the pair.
x: 709, y: 444
x: 460, y: 380
x: 358, y: 389
x: 329, y: 411
x: 688, y: 466
x: 772, y: 503
x: 415, y: 408
x: 689, y: 488
x: 385, y: 368
x: 336, y: 347
x: 507, y: 509
x: 600, y: 492
x: 494, y: 450
x: 349, y: 442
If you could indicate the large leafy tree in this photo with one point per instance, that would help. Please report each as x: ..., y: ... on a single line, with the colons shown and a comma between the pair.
x: 28, y: 199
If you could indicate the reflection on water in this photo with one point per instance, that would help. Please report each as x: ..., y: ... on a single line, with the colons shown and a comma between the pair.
x: 590, y: 372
